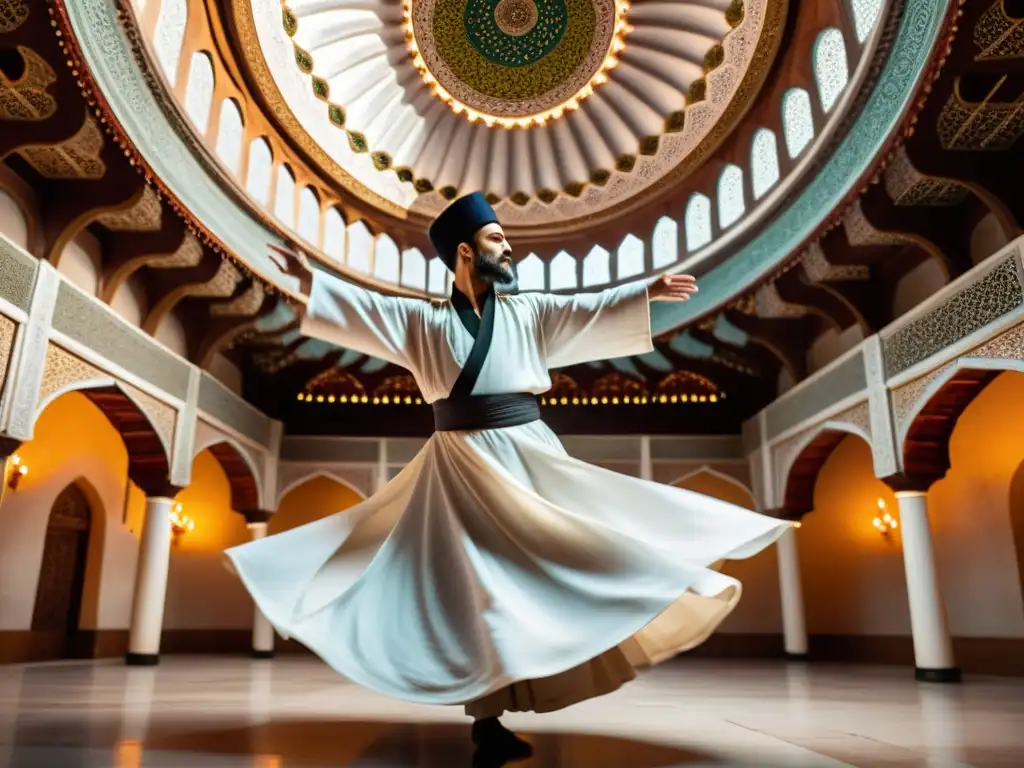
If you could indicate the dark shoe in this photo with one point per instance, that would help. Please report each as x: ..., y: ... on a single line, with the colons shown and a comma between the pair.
x: 496, y: 745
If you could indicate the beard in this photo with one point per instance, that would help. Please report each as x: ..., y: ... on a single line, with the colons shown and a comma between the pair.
x: 493, y: 271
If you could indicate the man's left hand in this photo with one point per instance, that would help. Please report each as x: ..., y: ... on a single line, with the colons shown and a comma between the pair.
x: 672, y: 288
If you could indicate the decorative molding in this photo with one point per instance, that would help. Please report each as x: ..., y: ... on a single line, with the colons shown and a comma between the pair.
x: 65, y: 371
x: 989, y: 297
x: 145, y: 216
x: 360, y: 478
x: 907, y: 186
x: 819, y: 269
x: 21, y: 396
x: 909, y: 398
x: 76, y: 158
x: 26, y: 98
x: 13, y: 13
x: 858, y: 417
x: 861, y: 232
x: 887, y: 458
x: 914, y: 60
x: 770, y: 305
x: 246, y: 304
x: 8, y: 330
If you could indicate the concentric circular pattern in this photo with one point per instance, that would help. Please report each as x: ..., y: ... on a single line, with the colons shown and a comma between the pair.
x: 519, y: 17
x: 486, y: 73
x: 507, y: 31
x: 367, y: 84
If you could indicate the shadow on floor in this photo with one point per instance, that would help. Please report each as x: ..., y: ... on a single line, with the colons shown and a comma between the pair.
x: 416, y: 745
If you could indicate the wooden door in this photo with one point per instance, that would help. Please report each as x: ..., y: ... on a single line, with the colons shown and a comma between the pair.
x: 62, y: 575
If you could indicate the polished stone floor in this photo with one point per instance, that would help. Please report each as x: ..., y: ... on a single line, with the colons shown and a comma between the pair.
x: 293, y: 711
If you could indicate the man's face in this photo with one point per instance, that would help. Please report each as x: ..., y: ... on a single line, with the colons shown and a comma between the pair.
x: 492, y: 260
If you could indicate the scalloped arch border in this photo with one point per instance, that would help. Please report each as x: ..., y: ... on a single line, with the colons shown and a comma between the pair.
x: 923, y: 26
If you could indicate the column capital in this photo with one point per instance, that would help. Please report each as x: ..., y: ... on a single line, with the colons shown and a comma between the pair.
x: 157, y: 488
x: 256, y: 516
x: 909, y: 483
x: 8, y: 446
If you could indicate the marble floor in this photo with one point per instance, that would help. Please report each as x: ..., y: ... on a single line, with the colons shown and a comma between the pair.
x: 293, y: 711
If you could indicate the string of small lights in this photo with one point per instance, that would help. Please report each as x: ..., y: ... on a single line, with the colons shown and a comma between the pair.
x: 309, y: 397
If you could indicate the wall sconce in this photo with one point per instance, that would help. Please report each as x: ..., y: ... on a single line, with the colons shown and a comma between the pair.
x: 18, y: 471
x: 180, y: 524
x: 885, y: 523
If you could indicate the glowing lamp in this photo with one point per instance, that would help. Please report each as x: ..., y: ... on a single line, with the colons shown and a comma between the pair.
x: 18, y: 470
x: 884, y: 523
x: 180, y: 524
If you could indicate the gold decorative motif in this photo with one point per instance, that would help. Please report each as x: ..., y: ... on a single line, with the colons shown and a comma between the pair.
x: 8, y: 329
x: 26, y: 98
x: 246, y: 304
x: 819, y: 269
x: 985, y: 125
x: 76, y: 158
x: 221, y: 285
x: 908, y: 186
x: 516, y: 17
x: 188, y: 254
x: 13, y: 13
x: 756, y: 39
x: 770, y: 305
x: 144, y: 216
x: 997, y: 35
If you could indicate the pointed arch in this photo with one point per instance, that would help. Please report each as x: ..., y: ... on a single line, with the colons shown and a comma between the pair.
x: 313, y: 474
x: 927, y: 425
x: 149, y: 453
x: 244, y: 477
x: 706, y: 469
x: 801, y: 474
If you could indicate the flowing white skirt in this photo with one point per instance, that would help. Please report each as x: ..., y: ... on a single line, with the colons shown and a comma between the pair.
x: 494, y: 564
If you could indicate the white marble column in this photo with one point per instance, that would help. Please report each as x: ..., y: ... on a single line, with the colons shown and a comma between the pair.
x: 380, y: 477
x: 646, y: 464
x: 150, y: 583
x: 794, y: 625
x: 262, y: 631
x: 933, y: 648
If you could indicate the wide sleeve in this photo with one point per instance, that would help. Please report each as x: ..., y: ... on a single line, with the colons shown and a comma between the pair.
x: 595, y: 326
x: 361, y: 320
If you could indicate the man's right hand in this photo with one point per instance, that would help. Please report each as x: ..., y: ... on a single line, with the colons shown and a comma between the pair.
x: 293, y: 263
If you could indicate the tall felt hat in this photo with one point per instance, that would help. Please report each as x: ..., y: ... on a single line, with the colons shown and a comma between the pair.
x: 458, y: 223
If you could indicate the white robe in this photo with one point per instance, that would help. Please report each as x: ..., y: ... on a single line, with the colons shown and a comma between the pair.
x: 495, y: 568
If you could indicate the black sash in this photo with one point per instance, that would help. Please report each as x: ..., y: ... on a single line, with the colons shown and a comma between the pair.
x: 462, y: 410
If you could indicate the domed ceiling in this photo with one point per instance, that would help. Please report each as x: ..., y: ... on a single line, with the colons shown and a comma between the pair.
x: 559, y: 110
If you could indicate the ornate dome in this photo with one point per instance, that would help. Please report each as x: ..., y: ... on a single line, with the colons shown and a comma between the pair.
x: 557, y: 109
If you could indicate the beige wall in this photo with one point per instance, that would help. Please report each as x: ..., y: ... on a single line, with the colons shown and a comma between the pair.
x: 12, y: 221
x: 759, y: 610
x: 852, y: 577
x: 918, y: 285
x: 201, y: 592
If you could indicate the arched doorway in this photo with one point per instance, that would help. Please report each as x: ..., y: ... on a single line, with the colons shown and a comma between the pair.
x: 58, y: 603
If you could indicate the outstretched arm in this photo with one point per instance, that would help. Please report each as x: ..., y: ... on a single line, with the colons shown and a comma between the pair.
x: 345, y: 314
x: 612, y: 323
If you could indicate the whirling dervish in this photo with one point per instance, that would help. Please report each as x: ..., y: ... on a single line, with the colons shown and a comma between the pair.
x: 495, y: 571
